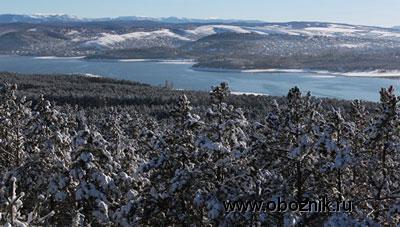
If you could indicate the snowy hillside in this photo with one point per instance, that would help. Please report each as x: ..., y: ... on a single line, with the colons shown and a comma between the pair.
x: 207, y: 27
x: 236, y: 45
x: 206, y: 30
x: 330, y: 30
x: 314, y: 29
x: 327, y: 30
x: 179, y: 36
x: 163, y: 37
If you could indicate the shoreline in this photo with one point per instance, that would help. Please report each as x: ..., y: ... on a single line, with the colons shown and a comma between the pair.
x: 88, y: 75
x: 234, y: 92
x: 393, y: 74
x: 57, y: 58
x: 388, y: 74
x: 133, y: 60
x: 162, y: 61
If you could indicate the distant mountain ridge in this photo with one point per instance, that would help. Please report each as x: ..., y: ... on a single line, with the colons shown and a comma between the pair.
x: 64, y: 18
x: 213, y: 43
x: 37, y: 18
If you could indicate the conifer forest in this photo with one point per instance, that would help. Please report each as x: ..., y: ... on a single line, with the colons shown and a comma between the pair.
x: 83, y: 151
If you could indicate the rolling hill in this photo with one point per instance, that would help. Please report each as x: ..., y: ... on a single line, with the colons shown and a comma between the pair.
x: 233, y: 45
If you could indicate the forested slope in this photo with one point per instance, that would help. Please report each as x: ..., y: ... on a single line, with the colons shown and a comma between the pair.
x: 116, y: 153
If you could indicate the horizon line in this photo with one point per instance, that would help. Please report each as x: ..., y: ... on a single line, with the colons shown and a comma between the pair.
x: 190, y: 18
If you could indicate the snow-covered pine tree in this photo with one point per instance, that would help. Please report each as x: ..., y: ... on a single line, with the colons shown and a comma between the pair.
x: 171, y: 175
x: 92, y: 184
x: 336, y: 156
x: 223, y: 162
x: 286, y: 146
x: 14, y: 114
x: 12, y: 216
x: 383, y: 144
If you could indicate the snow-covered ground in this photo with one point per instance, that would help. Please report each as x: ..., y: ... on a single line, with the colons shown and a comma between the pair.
x: 375, y: 73
x: 58, y: 58
x: 207, y: 30
x: 161, y: 61
x: 156, y: 37
x: 91, y: 75
x: 248, y: 93
x: 352, y: 46
x: 110, y: 40
x: 319, y: 73
x: 134, y: 60
x: 177, y: 62
x: 328, y: 30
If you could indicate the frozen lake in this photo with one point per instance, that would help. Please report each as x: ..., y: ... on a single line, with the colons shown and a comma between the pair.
x: 183, y: 77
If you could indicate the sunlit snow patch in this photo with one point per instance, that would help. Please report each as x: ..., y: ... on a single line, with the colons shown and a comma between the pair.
x: 108, y: 40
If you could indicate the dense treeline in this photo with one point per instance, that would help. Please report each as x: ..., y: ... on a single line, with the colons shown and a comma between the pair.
x: 94, y: 92
x: 104, y: 164
x: 148, y: 53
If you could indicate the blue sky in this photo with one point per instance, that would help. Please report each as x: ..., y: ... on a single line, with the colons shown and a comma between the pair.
x: 368, y: 12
